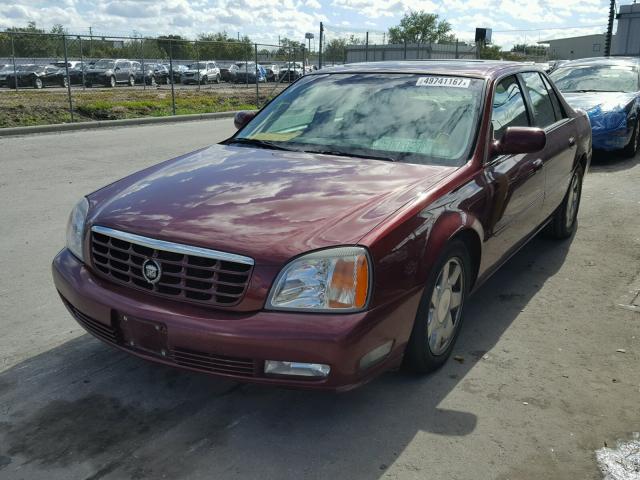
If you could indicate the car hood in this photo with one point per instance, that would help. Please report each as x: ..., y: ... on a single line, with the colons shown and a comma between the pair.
x: 606, y: 110
x: 607, y: 101
x: 267, y: 204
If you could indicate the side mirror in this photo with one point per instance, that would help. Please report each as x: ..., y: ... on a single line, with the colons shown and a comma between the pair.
x: 519, y: 140
x: 243, y: 117
x: 117, y: 68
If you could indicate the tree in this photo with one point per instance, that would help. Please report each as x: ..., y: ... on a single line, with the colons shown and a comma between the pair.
x: 335, y: 50
x: 176, y: 47
x: 536, y: 50
x: 420, y: 27
x: 289, y: 48
x: 219, y: 46
x: 494, y: 52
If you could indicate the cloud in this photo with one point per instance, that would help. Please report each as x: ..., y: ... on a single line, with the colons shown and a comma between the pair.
x: 266, y: 20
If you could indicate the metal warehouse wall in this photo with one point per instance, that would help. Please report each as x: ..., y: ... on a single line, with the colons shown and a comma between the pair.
x: 576, y: 47
x: 628, y: 34
x: 378, y: 53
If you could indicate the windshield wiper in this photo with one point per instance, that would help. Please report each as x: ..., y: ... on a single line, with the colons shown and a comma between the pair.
x: 338, y: 153
x: 258, y: 143
x: 588, y: 91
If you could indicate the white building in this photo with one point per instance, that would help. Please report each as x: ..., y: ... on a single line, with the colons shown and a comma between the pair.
x: 626, y: 40
x: 572, y: 48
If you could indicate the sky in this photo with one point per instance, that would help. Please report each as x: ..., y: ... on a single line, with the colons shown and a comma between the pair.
x: 264, y: 21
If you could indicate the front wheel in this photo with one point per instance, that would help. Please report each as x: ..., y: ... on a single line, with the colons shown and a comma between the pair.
x: 112, y: 82
x: 634, y: 143
x: 564, y: 220
x: 439, y: 315
x: 217, y: 78
x: 132, y: 81
x: 204, y: 81
x: 37, y: 83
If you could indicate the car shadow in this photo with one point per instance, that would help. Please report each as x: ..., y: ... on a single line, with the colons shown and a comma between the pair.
x: 612, y: 162
x: 90, y: 411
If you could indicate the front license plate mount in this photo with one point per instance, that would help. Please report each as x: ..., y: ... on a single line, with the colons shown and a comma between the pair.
x: 143, y: 335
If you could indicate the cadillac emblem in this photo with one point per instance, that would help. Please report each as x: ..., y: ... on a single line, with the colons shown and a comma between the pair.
x: 151, y: 271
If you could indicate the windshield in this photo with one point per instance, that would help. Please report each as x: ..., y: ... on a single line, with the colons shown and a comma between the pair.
x: 597, y: 78
x: 198, y: 66
x: 424, y: 119
x: 104, y: 64
x: 27, y: 68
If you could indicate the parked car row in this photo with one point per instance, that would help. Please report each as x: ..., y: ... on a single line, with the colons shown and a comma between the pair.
x: 113, y: 72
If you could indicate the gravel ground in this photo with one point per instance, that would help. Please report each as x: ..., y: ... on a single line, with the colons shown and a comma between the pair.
x: 549, y: 369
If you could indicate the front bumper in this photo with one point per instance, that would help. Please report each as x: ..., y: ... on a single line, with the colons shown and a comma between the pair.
x: 611, y: 140
x: 233, y: 344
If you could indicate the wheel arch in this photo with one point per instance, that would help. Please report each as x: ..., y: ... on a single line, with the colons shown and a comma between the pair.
x: 451, y: 226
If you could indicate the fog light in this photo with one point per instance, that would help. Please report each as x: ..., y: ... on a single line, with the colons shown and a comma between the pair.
x: 276, y: 367
x: 375, y: 355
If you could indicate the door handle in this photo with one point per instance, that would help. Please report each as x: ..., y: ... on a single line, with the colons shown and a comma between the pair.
x: 537, y: 164
x: 572, y: 141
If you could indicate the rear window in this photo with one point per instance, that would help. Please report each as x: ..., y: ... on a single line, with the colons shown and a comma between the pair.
x: 543, y: 113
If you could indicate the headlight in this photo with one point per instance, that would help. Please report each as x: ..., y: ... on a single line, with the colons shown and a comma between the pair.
x: 75, y: 227
x: 334, y: 279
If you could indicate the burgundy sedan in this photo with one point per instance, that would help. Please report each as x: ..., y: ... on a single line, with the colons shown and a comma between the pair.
x: 339, y: 232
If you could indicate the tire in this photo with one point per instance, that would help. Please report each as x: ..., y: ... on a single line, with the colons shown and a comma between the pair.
x: 204, y: 80
x: 88, y: 84
x: 132, y: 81
x: 564, y: 219
x: 217, y: 78
x: 37, y: 83
x: 634, y: 143
x: 440, y: 313
x: 112, y: 82
x: 64, y: 82
x: 168, y: 80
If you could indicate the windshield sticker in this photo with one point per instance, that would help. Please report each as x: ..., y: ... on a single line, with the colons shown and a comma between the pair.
x: 456, y: 82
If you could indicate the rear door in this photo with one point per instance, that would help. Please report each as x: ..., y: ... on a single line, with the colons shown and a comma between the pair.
x: 122, y: 71
x: 561, y: 148
x: 516, y: 182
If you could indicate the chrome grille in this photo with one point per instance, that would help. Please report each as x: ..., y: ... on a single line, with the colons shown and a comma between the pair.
x: 187, y: 273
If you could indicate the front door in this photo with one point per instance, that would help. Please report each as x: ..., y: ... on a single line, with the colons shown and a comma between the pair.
x: 515, y: 182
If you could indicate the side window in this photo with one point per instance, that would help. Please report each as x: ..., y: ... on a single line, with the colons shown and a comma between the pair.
x: 543, y: 114
x: 557, y: 106
x: 508, y: 107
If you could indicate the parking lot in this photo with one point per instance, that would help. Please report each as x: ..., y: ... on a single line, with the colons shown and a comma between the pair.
x: 546, y: 370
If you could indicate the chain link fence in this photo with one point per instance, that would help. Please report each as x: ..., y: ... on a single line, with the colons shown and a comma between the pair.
x: 342, y: 44
x: 119, y: 77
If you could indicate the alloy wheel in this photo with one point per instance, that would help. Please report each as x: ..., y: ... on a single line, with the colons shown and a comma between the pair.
x: 445, y: 307
x: 572, y: 201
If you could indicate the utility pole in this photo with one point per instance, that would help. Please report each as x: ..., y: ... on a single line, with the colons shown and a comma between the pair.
x: 320, y: 46
x: 607, y: 40
x: 90, y: 41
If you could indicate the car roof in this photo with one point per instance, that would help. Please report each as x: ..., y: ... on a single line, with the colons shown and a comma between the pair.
x: 472, y: 68
x: 602, y: 61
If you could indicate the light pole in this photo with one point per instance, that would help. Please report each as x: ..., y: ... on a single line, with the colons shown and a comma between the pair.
x: 309, y: 37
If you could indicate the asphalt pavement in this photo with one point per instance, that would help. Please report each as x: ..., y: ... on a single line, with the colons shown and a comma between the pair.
x: 547, y: 368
